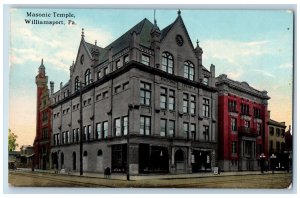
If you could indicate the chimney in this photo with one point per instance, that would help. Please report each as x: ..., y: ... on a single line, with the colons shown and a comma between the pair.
x: 51, y: 87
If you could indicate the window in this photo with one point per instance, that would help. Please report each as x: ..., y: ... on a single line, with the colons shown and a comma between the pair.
x: 87, y: 77
x: 256, y: 112
x: 99, y: 131
x: 98, y: 75
x: 271, y: 131
x: 145, y: 123
x: 277, y: 132
x: 189, y: 70
x: 271, y: 146
x: 185, y: 103
x: 105, y: 94
x: 117, y: 127
x: 89, y: 101
x: 126, y: 59
x: 233, y: 124
x: 258, y: 128
x: 247, y: 124
x: 145, y: 60
x: 77, y: 83
x: 205, y: 107
x: 171, y: 99
x: 171, y: 128
x: 145, y: 93
x: 277, y: 147
x: 193, y: 131
x: 193, y: 104
x: 234, y: 147
x: 77, y: 135
x: 90, y: 135
x: 118, y: 89
x: 231, y: 106
x: 85, y: 133
x: 126, y: 85
x: 98, y: 96
x: 118, y: 64
x: 125, y: 125
x: 163, y: 127
x: 106, y: 71
x: 163, y: 98
x: 245, y: 109
x: 63, y: 138
x: 205, y: 80
x: 167, y: 62
x: 186, y: 130
x: 105, y: 129
x: 206, y: 133
x: 68, y: 137
x: 74, y: 136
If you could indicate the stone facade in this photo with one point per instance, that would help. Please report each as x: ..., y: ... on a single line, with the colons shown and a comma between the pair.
x: 146, y: 93
x: 242, y: 125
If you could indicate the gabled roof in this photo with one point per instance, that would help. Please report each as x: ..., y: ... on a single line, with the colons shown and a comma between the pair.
x: 143, y: 28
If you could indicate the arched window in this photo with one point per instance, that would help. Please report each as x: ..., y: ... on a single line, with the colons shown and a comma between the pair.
x: 85, y: 153
x: 87, y: 77
x: 167, y: 62
x: 77, y: 85
x: 99, y: 153
x: 189, y: 70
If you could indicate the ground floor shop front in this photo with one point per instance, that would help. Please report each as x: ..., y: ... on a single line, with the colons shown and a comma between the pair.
x: 152, y: 156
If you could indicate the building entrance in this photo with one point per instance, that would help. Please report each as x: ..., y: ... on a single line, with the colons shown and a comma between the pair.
x: 153, y: 159
x: 201, y: 161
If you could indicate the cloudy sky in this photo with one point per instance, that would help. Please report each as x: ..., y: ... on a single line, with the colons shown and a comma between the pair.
x: 248, y: 45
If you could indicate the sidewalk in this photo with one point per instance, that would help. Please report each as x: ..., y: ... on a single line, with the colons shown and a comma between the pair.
x: 119, y: 176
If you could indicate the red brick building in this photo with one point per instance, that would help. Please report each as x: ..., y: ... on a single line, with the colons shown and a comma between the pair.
x: 243, y: 128
x: 43, y: 121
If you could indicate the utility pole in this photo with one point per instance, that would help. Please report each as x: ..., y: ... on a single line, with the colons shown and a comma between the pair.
x: 130, y: 106
x: 81, y: 165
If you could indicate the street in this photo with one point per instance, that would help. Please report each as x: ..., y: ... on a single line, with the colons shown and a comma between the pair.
x: 254, y: 181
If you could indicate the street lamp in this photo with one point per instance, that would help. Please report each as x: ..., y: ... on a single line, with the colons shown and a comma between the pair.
x: 273, y: 157
x: 262, y: 160
x: 130, y: 107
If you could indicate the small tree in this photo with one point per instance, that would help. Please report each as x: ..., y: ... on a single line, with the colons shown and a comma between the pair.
x: 12, y: 141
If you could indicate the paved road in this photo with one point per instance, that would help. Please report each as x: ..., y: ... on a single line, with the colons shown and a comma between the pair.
x: 264, y: 181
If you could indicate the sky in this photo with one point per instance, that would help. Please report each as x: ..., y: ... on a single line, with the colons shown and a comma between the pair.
x: 255, y: 46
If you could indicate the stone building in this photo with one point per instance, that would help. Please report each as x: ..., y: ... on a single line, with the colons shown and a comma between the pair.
x: 42, y: 139
x: 242, y: 125
x: 277, y: 142
x: 147, y: 91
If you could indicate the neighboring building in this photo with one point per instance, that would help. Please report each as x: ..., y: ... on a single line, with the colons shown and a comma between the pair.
x: 43, y: 121
x: 242, y: 121
x: 26, y: 156
x: 276, y: 142
x: 14, y: 159
x: 148, y: 85
x: 288, y: 147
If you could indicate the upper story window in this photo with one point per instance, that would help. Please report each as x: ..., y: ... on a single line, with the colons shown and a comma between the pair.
x: 206, y: 133
x: 277, y: 132
x: 258, y: 128
x: 186, y: 130
x: 205, y: 80
x: 193, y: 105
x: 117, y: 127
x: 163, y: 127
x: 185, y: 106
x: 163, y: 98
x: 87, y: 77
x: 118, y: 64
x: 189, y: 70
x: 256, y: 112
x: 145, y: 60
x: 245, y: 109
x: 98, y: 75
x: 77, y: 83
x: 205, y: 107
x: 126, y: 59
x: 167, y: 62
x: 271, y: 131
x: 231, y: 106
x: 145, y: 125
x: 171, y: 99
x: 233, y: 124
x: 145, y: 93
